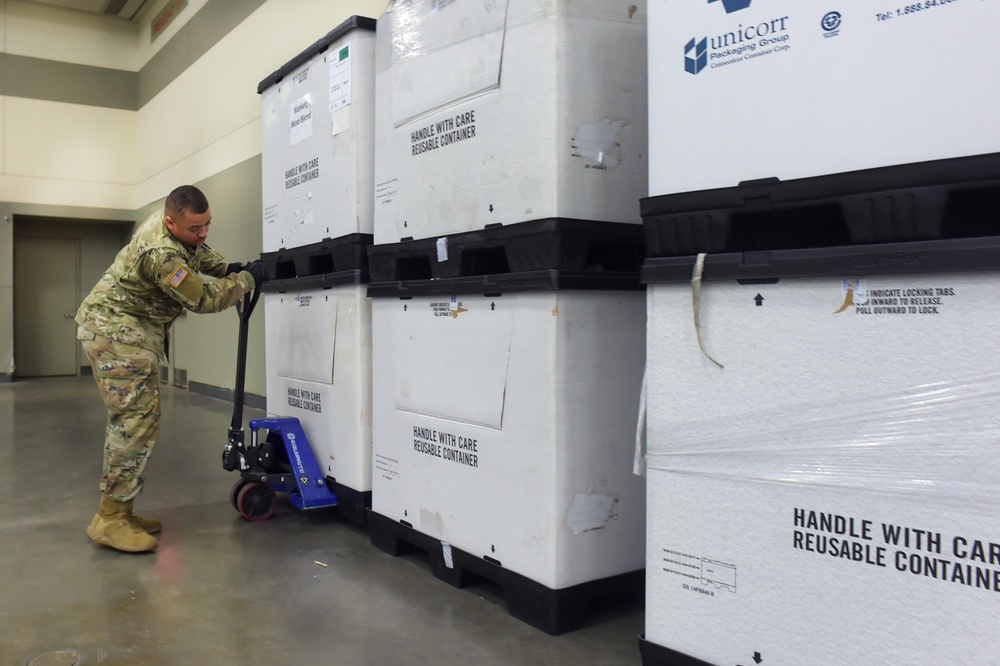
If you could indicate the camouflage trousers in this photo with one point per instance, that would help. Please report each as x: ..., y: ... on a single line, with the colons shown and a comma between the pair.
x: 129, y: 380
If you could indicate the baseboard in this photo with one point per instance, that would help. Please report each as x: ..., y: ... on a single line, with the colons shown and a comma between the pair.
x: 249, y: 399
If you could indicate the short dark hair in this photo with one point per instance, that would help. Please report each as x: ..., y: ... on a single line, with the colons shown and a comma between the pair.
x: 186, y: 198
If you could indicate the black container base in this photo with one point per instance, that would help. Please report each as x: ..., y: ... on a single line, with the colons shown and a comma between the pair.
x: 657, y: 655
x: 552, y: 611
x: 353, y: 504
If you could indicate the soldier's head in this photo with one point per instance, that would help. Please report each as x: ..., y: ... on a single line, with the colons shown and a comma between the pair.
x: 187, y: 215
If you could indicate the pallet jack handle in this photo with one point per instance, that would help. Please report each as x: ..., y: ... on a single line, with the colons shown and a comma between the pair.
x: 234, y: 447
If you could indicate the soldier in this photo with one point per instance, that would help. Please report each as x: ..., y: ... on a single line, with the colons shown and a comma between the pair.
x: 123, y: 327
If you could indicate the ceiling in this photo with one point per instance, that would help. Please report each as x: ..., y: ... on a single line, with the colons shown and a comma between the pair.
x: 130, y: 10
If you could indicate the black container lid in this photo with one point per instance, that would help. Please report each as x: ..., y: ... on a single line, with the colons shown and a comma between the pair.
x: 321, y: 45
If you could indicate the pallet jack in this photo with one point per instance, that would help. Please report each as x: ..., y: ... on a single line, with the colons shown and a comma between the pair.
x: 266, y: 467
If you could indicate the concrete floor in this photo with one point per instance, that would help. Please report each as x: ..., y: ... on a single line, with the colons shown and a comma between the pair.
x: 222, y: 590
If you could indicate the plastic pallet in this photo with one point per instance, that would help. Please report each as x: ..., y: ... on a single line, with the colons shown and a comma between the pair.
x: 496, y: 285
x: 552, y: 611
x: 552, y: 243
x: 954, y: 198
x: 324, y: 281
x: 328, y: 256
x: 352, y: 504
x: 657, y: 655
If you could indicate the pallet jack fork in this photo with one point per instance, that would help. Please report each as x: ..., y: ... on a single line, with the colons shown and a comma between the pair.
x: 282, y: 462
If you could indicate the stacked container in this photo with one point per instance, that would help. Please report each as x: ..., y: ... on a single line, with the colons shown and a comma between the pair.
x: 507, y: 312
x: 820, y: 387
x: 317, y: 165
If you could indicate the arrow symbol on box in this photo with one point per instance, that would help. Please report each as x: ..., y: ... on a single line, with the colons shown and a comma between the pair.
x: 759, y: 300
x: 757, y: 658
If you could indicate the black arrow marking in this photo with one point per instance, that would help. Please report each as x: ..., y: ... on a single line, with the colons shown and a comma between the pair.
x: 759, y: 300
x: 757, y: 657
x: 491, y: 208
x: 493, y: 306
x: 404, y: 307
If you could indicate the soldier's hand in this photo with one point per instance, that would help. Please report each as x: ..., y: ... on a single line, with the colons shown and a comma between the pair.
x: 234, y: 267
x: 258, y: 269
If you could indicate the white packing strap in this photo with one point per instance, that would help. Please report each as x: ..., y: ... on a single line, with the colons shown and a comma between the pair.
x: 639, y: 461
x: 699, y: 268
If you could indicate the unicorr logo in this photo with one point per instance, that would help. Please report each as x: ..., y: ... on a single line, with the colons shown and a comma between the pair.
x: 695, y: 55
x: 733, y: 5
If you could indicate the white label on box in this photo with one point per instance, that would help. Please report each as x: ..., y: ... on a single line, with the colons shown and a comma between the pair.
x: 271, y: 214
x: 340, y: 121
x: 386, y: 467
x: 340, y: 78
x: 925, y: 298
x: 300, y: 120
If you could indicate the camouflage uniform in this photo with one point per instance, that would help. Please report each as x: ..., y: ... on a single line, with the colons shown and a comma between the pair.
x: 123, y: 329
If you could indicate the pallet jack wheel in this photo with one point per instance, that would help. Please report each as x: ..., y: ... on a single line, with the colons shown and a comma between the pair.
x: 256, y: 501
x: 234, y: 493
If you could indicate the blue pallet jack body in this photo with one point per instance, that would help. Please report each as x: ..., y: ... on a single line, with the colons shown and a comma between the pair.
x: 282, y: 461
x: 309, y: 489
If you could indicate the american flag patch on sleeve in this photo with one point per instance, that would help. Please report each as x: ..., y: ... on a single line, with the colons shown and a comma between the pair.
x: 177, y: 277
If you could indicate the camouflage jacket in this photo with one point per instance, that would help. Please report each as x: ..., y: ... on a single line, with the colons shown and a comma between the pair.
x: 152, y: 280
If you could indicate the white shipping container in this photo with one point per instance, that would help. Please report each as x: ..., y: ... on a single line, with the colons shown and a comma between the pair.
x: 503, y: 428
x: 318, y: 140
x: 829, y: 495
x: 318, y: 346
x: 748, y: 89
x: 508, y: 111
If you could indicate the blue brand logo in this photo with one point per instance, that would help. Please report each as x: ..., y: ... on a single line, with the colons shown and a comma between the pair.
x: 733, y: 5
x: 831, y: 23
x: 695, y: 55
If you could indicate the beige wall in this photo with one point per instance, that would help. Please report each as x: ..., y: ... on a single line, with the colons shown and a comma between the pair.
x: 206, y: 344
x: 202, y: 126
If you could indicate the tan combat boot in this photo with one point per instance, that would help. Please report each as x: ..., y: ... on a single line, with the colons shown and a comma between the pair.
x: 114, y: 526
x: 147, y: 525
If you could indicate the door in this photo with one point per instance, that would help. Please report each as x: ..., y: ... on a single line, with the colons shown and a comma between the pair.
x: 46, y: 296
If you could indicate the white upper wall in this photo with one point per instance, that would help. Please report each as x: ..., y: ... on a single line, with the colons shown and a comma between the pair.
x: 53, y: 33
x: 204, y: 122
x: 146, y: 49
x: 42, y: 31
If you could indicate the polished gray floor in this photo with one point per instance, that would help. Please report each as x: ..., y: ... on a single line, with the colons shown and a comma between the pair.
x: 221, y: 590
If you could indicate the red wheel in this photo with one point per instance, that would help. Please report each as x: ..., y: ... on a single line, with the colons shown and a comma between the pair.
x: 256, y: 501
x: 235, y: 492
